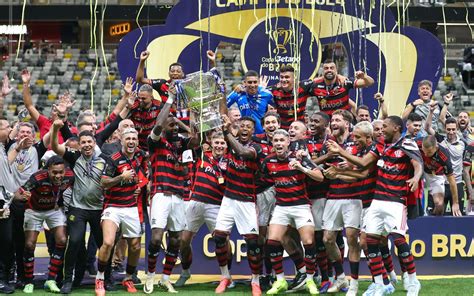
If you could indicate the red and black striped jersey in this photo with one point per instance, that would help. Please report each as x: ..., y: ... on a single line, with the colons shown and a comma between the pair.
x: 122, y: 195
x: 438, y: 164
x: 339, y: 189
x: 266, y: 145
x: 366, y: 187
x: 394, y: 169
x: 332, y: 97
x: 209, y: 182
x: 315, y: 146
x: 144, y: 120
x: 161, y: 86
x: 45, y: 195
x: 168, y: 171
x: 290, y: 184
x: 242, y: 174
x: 285, y: 102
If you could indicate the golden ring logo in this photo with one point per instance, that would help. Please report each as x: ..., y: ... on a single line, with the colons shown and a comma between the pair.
x: 119, y: 29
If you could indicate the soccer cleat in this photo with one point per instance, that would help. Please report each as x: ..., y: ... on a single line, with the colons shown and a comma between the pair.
x: 256, y: 291
x: 339, y: 285
x: 5, y: 288
x: 167, y: 286
x: 317, y: 279
x: 278, y: 286
x: 413, y: 287
x: 389, y: 289
x: 232, y: 284
x: 66, y: 288
x: 51, y: 286
x: 183, y: 278
x: 353, y: 288
x: 311, y: 287
x: 129, y: 285
x: 149, y: 284
x: 370, y: 290
x: 29, y: 288
x: 378, y: 290
x: 325, y: 286
x: 298, y: 282
x: 99, y: 287
x: 223, y: 285
x: 265, y: 282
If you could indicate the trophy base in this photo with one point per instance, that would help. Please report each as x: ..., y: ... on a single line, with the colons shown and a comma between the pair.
x: 208, y: 125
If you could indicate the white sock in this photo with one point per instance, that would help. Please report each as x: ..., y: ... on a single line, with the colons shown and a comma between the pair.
x: 185, y: 272
x: 165, y: 278
x: 378, y: 279
x: 256, y: 279
x: 309, y: 277
x: 99, y: 276
x: 412, y: 276
x: 393, y: 275
x: 225, y: 271
x: 302, y: 269
x: 150, y: 274
x: 342, y: 276
x: 280, y: 276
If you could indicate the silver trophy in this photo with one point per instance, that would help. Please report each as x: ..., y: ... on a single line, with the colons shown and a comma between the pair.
x: 201, y: 93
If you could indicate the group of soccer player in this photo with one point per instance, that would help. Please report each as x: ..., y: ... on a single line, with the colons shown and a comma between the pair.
x: 290, y: 181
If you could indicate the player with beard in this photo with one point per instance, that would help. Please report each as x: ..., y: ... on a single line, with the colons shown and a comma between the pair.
x: 464, y: 121
x: 332, y: 90
x: 288, y: 175
x: 343, y: 208
x: 206, y: 198
x: 238, y: 204
x: 43, y: 195
x: 400, y: 168
x: 266, y: 193
x: 121, y: 181
x: 317, y: 191
x: 167, y: 209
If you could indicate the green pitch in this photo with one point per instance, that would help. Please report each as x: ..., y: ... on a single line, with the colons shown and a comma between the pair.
x: 438, y: 287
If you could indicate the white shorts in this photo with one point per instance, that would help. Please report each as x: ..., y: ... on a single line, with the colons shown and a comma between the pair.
x: 435, y: 183
x: 198, y: 213
x: 167, y: 211
x: 265, y: 205
x: 126, y: 219
x: 363, y: 216
x: 34, y: 219
x: 385, y: 217
x: 242, y: 213
x: 342, y: 213
x: 296, y: 216
x: 317, y: 208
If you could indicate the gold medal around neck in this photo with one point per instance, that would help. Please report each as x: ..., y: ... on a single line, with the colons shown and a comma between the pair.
x: 20, y: 167
x: 323, y: 102
x: 220, y: 180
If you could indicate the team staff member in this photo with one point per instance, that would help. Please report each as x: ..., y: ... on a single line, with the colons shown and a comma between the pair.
x: 253, y: 100
x: 121, y: 181
x: 43, y: 194
x: 238, y: 204
x: 292, y: 208
x: 332, y: 90
x: 206, y: 197
x: 400, y: 168
x: 86, y: 201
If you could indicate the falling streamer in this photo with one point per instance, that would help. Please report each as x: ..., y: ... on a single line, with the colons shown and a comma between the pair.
x: 445, y: 42
x: 105, y: 58
x: 94, y: 39
x: 467, y: 22
x: 140, y: 28
x: 22, y: 22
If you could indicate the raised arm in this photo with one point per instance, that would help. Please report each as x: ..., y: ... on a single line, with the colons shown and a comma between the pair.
x: 363, y: 80
x: 22, y: 144
x: 140, y: 76
x: 6, y: 89
x: 127, y: 92
x: 55, y: 146
x: 429, y: 119
x: 26, y: 78
x: 383, y: 112
x: 155, y: 134
x: 444, y: 111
